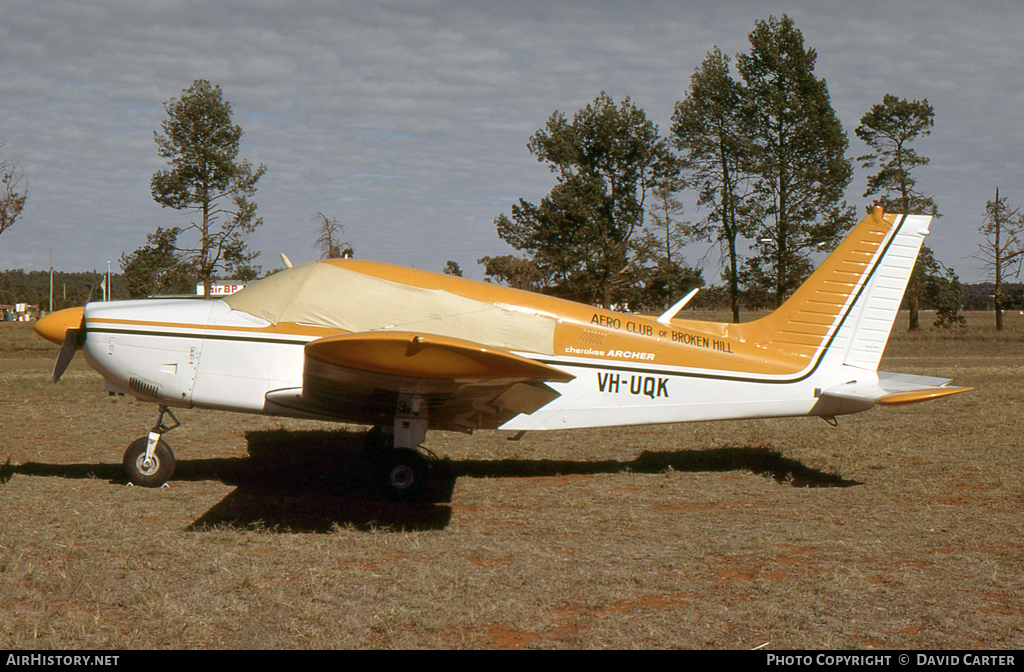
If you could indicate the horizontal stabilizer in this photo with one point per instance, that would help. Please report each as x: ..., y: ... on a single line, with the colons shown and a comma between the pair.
x: 893, y: 389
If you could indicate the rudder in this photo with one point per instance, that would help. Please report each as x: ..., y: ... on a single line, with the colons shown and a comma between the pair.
x: 867, y: 327
x: 844, y: 312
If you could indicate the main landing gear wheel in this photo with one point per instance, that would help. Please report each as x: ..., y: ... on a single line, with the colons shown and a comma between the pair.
x: 403, y: 474
x: 154, y: 472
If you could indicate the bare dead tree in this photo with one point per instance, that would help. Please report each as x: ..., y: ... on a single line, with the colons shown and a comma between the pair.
x: 329, y: 241
x: 13, y: 192
x: 1003, y: 249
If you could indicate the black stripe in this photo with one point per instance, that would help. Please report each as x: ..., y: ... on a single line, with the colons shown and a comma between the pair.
x: 196, y: 335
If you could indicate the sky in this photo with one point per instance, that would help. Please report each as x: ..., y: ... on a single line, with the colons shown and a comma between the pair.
x: 408, y: 120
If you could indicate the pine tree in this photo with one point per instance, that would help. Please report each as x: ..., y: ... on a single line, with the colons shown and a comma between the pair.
x: 606, y: 161
x: 207, y: 178
x: 799, y: 157
x: 1003, y: 249
x: 889, y: 129
x: 708, y: 129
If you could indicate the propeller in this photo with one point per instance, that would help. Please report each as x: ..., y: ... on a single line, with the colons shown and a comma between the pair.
x: 67, y: 328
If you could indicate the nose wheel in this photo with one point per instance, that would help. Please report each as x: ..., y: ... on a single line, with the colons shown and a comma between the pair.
x: 149, y: 471
x: 149, y: 461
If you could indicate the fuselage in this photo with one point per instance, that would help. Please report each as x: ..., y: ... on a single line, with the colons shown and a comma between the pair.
x: 627, y: 369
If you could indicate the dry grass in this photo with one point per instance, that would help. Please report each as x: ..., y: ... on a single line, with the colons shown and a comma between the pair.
x: 18, y: 341
x: 900, y: 528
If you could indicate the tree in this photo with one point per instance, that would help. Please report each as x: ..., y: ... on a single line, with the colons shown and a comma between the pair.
x: 207, y: 178
x: 155, y: 268
x: 452, y: 268
x: 328, y: 240
x: 1003, y: 249
x: 513, y: 271
x: 606, y: 161
x: 661, y: 275
x: 889, y: 129
x: 946, y: 293
x: 70, y: 289
x: 798, y: 156
x: 708, y: 128
x: 941, y: 288
x: 13, y: 192
x: 660, y: 284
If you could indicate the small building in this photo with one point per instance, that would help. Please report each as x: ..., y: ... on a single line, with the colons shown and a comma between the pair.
x: 19, y: 312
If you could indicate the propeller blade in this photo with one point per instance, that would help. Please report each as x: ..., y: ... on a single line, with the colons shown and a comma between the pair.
x: 66, y: 354
x: 66, y: 327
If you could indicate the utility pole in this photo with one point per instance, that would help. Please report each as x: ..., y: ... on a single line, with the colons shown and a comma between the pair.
x: 51, y: 281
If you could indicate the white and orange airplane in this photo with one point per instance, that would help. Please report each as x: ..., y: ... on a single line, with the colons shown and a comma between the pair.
x: 407, y: 351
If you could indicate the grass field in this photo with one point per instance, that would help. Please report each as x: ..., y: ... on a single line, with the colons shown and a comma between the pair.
x: 900, y: 528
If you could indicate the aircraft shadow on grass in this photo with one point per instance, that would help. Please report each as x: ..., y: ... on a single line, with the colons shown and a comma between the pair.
x: 314, y: 481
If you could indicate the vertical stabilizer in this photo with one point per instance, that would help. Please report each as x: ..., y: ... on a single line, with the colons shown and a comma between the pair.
x: 844, y: 312
x: 869, y: 323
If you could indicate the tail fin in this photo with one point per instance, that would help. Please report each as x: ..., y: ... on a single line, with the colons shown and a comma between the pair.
x: 866, y: 330
x: 844, y: 312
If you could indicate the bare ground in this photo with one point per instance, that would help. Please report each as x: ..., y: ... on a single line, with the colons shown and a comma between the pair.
x: 900, y: 528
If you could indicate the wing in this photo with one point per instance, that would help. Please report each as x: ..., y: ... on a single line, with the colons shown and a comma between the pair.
x: 891, y: 389
x: 369, y: 377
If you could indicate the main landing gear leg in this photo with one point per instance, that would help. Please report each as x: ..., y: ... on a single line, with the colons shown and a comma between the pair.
x: 402, y: 471
x: 149, y: 461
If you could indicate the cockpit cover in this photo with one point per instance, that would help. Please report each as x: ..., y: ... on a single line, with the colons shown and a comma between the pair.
x: 328, y: 295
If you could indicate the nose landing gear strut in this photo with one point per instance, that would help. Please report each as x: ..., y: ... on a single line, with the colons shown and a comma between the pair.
x: 149, y: 461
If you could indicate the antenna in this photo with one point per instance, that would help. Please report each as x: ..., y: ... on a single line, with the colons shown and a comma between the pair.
x: 666, y: 317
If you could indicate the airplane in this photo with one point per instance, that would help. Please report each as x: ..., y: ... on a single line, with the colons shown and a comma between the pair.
x: 407, y: 351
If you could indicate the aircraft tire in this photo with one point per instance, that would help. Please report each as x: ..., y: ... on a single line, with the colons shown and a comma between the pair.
x: 403, y: 474
x: 155, y: 475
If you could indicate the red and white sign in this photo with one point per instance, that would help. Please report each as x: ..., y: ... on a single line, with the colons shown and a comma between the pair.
x: 219, y: 289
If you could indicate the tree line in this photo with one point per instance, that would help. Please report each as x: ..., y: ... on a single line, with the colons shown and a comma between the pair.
x: 69, y: 289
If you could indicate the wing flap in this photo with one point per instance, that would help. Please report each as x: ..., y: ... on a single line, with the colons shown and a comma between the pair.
x: 524, y: 398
